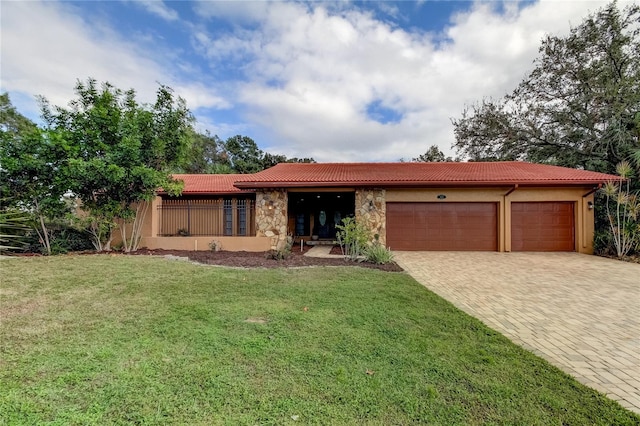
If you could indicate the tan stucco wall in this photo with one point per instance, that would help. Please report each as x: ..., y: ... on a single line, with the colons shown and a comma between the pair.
x: 504, y: 196
x: 151, y: 239
x: 255, y: 244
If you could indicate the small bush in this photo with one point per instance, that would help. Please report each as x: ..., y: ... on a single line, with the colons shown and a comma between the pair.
x: 277, y: 254
x: 353, y: 238
x: 284, y: 252
x: 63, y: 239
x: 378, y: 254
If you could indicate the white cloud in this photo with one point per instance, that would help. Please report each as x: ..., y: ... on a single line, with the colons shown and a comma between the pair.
x: 58, y: 47
x: 158, y: 8
x: 312, y: 72
x: 304, y: 73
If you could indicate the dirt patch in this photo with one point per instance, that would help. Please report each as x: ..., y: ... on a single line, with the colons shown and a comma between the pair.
x: 245, y: 259
x: 257, y: 320
x: 9, y: 311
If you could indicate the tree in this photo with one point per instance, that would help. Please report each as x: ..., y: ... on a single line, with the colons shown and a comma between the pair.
x: 244, y: 154
x: 579, y: 107
x: 432, y: 155
x: 207, y: 154
x: 121, y: 153
x: 238, y: 154
x: 33, y: 172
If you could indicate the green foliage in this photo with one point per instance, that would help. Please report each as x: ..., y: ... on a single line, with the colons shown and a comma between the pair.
x: 207, y: 154
x: 244, y: 154
x: 379, y: 254
x: 353, y: 238
x: 14, y: 225
x: 283, y: 252
x: 159, y: 342
x: 238, y: 154
x: 577, y: 108
x: 119, y: 153
x: 65, y: 238
x: 432, y: 155
x: 623, y: 211
x: 34, y: 170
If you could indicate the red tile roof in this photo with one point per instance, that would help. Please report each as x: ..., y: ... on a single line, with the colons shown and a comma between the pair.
x: 211, y: 184
x: 288, y: 175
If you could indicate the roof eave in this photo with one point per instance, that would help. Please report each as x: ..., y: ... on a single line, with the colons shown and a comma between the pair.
x: 413, y: 184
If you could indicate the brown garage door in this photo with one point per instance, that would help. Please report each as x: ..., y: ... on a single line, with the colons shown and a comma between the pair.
x: 542, y: 226
x: 442, y: 226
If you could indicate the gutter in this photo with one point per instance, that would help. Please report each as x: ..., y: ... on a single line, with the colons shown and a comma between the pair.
x: 594, y: 189
x: 408, y: 184
x: 512, y: 189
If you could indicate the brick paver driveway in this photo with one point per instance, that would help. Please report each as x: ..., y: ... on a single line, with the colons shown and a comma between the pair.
x: 581, y: 313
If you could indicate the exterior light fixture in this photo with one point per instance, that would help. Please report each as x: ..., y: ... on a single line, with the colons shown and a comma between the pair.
x: 590, y: 205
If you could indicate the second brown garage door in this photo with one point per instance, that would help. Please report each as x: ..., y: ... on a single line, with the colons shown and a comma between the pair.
x: 442, y: 226
x: 544, y: 226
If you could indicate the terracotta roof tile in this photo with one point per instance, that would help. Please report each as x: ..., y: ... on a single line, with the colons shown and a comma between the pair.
x: 211, y: 184
x: 419, y: 174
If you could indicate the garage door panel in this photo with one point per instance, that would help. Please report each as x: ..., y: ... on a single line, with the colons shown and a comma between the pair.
x: 442, y: 226
x: 542, y: 226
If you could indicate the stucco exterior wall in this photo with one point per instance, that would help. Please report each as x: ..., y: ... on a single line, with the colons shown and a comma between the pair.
x: 504, y: 196
x: 152, y: 241
x: 255, y: 244
x: 271, y: 217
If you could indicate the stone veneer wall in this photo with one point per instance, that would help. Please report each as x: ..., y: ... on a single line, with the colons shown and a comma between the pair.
x: 371, y: 209
x: 271, y: 216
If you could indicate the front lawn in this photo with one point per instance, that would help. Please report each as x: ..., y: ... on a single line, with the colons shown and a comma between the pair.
x: 133, y: 339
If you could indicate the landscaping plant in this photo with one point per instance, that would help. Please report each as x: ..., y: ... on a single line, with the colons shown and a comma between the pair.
x: 378, y: 254
x: 623, y: 211
x: 353, y: 238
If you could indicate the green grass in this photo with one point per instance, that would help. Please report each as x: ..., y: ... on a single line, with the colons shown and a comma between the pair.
x: 128, y: 339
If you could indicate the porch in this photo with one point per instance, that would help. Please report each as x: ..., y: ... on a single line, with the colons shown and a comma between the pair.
x: 313, y: 215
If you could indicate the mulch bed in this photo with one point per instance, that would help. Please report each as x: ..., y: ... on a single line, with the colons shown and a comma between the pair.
x: 244, y: 259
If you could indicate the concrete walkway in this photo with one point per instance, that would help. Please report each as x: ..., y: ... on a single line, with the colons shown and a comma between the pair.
x: 321, y: 251
x: 579, y: 312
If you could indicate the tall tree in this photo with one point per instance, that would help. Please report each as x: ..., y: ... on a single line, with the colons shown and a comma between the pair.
x: 432, y: 155
x: 122, y: 153
x: 33, y: 171
x: 207, y: 154
x: 579, y: 107
x: 244, y: 154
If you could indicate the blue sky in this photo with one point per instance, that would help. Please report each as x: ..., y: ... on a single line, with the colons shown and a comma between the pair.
x: 333, y: 80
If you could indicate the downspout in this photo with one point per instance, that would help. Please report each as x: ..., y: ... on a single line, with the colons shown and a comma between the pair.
x: 507, y: 229
x: 512, y: 189
x: 594, y: 189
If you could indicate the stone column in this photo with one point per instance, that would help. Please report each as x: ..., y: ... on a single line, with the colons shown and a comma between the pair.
x: 271, y: 216
x: 371, y: 210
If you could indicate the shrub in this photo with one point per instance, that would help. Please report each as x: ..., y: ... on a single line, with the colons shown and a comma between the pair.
x: 353, y: 238
x: 14, y: 225
x: 378, y: 254
x: 63, y: 239
x: 284, y: 252
x: 623, y: 211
